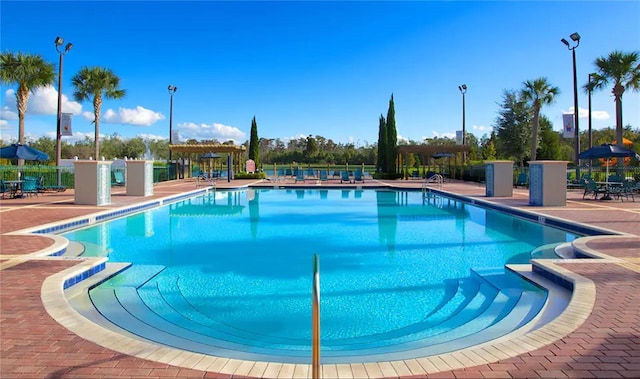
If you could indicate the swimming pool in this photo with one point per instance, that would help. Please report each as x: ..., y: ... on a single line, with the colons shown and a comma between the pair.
x: 402, y: 274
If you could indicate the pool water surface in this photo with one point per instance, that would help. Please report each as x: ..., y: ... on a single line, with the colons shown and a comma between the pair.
x: 401, y: 272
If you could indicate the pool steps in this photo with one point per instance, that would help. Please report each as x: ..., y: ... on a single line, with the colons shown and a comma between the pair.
x: 482, y: 313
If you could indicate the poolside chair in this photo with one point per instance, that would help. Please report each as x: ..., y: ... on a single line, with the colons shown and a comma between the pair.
x: 627, y: 190
x: 344, y: 177
x: 29, y: 187
x: 299, y: 175
x: 324, y: 175
x: 3, y: 188
x: 522, y: 180
x: 358, y: 176
x: 591, y: 187
x: 117, y: 178
x: 415, y: 174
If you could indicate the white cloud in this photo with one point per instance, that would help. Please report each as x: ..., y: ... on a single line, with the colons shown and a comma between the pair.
x: 443, y: 135
x: 152, y: 137
x: 44, y: 101
x: 4, y: 125
x: 584, y: 113
x: 214, y: 131
x: 482, y: 128
x: 87, y: 116
x: 139, y: 116
x: 7, y: 114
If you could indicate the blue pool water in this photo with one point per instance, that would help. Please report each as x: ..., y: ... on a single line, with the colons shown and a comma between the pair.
x: 229, y: 272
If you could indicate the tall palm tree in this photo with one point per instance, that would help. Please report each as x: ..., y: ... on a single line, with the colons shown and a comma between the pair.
x: 623, y: 69
x: 28, y: 72
x: 96, y: 83
x: 538, y: 93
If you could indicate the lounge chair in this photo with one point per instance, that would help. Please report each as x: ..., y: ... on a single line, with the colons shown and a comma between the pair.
x: 324, y: 175
x: 299, y: 175
x: 415, y: 174
x: 344, y: 177
x: 522, y: 180
x: 591, y: 187
x: 358, y: 176
x: 311, y: 174
x: 117, y: 179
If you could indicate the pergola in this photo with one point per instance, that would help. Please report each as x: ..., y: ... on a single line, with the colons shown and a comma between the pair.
x: 188, y: 150
x: 428, y: 151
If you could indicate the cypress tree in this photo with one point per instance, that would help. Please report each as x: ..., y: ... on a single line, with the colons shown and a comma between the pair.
x: 253, y: 143
x: 392, y: 139
x: 381, y: 164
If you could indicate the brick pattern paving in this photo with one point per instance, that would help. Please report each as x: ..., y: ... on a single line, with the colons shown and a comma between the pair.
x: 34, y: 345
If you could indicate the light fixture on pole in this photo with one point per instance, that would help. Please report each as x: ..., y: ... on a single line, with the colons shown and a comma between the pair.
x: 59, y: 42
x: 575, y: 37
x: 463, y: 90
x: 172, y: 90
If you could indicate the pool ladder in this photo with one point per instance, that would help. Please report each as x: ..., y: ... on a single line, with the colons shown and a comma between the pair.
x: 315, y: 320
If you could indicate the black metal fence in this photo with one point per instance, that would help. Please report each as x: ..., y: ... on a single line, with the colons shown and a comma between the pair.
x: 49, y: 174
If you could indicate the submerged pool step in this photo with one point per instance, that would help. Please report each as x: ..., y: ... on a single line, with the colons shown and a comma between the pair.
x: 123, y: 307
x: 476, y: 313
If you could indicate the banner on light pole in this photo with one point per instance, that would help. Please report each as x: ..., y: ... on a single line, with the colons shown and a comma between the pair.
x: 65, y: 124
x: 568, y: 126
x: 459, y: 137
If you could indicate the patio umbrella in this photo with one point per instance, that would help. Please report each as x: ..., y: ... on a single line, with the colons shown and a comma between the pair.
x: 18, y: 151
x: 608, y: 151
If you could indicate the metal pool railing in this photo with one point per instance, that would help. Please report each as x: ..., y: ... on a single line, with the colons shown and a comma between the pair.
x: 315, y: 320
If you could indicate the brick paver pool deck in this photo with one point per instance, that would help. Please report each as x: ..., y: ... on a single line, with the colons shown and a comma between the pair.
x: 603, y: 343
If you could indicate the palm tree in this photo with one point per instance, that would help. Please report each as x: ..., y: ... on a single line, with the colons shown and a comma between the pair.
x: 538, y: 93
x: 623, y: 69
x: 28, y: 72
x: 95, y: 83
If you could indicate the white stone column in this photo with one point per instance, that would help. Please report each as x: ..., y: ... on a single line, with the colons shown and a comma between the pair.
x: 92, y: 182
x: 499, y: 178
x: 548, y: 183
x: 139, y: 178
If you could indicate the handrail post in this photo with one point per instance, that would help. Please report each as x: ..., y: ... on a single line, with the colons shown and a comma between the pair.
x: 315, y: 320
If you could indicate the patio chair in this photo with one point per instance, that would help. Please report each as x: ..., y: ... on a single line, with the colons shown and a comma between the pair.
x: 522, y: 180
x: 3, y: 188
x: 358, y: 176
x: 591, y: 187
x: 117, y: 178
x: 344, y: 177
x: 299, y: 175
x: 324, y: 175
x: 29, y: 187
x: 627, y: 190
x: 415, y: 174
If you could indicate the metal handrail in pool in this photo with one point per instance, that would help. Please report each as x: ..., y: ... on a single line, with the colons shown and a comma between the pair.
x: 315, y: 320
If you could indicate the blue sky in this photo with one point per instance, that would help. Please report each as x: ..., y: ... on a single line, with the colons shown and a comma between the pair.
x: 321, y: 68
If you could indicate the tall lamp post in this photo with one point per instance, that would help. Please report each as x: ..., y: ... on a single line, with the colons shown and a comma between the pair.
x: 463, y: 90
x: 172, y: 90
x: 575, y: 37
x: 59, y: 42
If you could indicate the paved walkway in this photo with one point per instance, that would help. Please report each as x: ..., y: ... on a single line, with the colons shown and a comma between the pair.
x: 605, y: 343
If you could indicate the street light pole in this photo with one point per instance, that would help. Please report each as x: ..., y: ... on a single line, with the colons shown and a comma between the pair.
x: 589, y: 90
x: 59, y: 42
x: 575, y: 37
x: 172, y: 90
x: 463, y: 90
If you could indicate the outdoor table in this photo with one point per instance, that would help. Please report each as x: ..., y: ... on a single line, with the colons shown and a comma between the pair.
x: 15, y: 190
x: 607, y: 188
